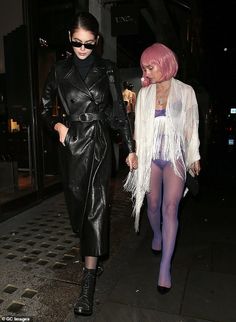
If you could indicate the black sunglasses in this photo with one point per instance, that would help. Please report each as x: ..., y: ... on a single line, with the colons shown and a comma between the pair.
x: 80, y: 44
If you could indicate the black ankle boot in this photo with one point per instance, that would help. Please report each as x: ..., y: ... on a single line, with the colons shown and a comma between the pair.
x: 84, y: 305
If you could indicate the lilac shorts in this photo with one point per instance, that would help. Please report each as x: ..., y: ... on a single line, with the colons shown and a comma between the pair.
x: 161, y: 163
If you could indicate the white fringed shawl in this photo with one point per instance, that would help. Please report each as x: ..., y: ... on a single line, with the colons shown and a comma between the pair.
x: 181, y: 130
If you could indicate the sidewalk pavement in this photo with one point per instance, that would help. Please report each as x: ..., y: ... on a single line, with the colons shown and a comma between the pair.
x: 41, y: 268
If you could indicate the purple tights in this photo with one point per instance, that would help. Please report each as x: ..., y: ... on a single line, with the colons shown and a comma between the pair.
x: 166, y: 190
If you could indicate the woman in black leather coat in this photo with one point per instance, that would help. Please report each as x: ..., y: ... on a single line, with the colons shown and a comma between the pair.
x: 82, y: 86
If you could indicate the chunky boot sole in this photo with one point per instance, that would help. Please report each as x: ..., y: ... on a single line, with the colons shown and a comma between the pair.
x: 81, y: 311
x: 100, y: 269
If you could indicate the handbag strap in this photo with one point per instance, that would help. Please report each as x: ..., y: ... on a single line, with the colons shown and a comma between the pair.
x: 118, y: 103
x: 111, y: 78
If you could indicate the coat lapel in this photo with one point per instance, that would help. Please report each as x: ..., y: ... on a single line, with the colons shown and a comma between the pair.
x: 73, y: 76
x: 96, y: 73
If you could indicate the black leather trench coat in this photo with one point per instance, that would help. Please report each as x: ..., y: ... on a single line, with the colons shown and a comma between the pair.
x: 86, y: 156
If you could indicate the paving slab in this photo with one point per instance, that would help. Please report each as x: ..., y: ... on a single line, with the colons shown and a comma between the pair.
x: 224, y: 258
x: 211, y: 296
x: 38, y: 259
x: 114, y: 312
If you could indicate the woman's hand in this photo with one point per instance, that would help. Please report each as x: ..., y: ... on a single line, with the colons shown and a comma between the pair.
x: 132, y: 161
x: 196, y: 167
x: 62, y: 131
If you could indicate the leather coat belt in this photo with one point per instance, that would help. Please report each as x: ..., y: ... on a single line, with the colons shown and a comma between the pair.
x: 86, y: 117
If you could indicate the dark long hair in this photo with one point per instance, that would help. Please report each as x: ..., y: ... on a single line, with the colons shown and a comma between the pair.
x: 86, y: 21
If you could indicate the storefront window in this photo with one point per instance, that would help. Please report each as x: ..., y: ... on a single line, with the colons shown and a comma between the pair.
x: 29, y: 167
x: 46, y: 59
x: 16, y: 164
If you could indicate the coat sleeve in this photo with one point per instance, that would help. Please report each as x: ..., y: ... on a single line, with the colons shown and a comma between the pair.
x: 48, y: 100
x: 191, y: 129
x: 119, y: 114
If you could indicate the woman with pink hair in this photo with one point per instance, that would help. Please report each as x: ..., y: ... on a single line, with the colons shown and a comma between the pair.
x: 167, y: 145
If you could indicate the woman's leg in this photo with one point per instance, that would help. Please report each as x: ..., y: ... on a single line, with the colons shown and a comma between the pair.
x: 154, y: 204
x: 172, y: 193
x: 91, y: 262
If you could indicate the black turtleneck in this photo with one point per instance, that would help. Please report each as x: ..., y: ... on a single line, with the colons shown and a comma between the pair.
x: 83, y: 65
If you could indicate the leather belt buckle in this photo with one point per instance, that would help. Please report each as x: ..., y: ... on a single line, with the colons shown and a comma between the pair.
x: 84, y: 117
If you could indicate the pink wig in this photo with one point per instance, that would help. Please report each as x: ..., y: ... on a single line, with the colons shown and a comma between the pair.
x: 164, y: 57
